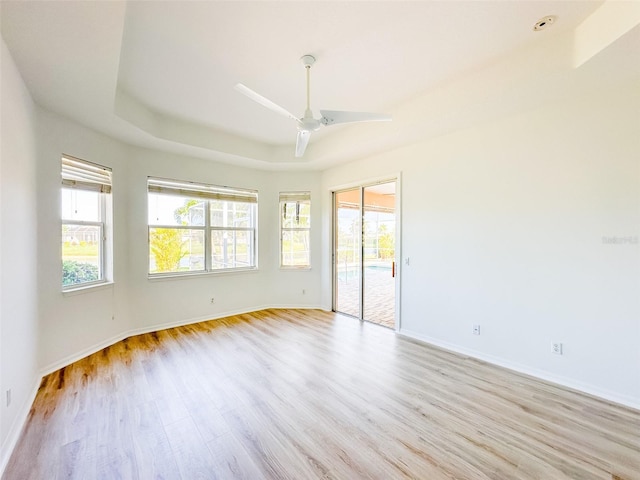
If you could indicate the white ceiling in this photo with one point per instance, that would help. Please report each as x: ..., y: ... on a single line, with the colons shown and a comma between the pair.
x: 161, y: 74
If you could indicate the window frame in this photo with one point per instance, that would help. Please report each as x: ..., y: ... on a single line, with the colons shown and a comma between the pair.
x: 205, y: 193
x: 81, y: 175
x: 284, y: 198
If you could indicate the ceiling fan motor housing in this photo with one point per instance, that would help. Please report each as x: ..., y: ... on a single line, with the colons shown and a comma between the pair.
x: 309, y: 123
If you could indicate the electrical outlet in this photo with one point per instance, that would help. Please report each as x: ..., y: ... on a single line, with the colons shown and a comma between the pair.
x: 556, y: 347
x: 476, y: 329
x: 8, y: 397
x: 213, y: 300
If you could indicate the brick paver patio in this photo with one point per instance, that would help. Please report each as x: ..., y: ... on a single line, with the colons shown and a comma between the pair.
x: 379, y: 296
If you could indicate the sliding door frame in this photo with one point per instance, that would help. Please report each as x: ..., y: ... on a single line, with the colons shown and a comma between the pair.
x: 398, y: 242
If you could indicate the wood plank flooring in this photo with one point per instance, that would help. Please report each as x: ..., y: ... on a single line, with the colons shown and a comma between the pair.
x: 306, y: 394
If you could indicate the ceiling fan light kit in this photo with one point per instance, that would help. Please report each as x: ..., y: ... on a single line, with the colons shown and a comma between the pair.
x: 308, y: 123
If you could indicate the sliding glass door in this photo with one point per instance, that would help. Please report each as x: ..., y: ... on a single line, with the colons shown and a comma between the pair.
x: 347, y: 252
x: 364, y: 253
x: 379, y: 233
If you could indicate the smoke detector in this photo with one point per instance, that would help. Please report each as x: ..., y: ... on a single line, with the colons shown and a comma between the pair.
x: 544, y: 22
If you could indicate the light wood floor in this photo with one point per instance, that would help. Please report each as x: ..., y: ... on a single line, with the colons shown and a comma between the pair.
x: 291, y: 394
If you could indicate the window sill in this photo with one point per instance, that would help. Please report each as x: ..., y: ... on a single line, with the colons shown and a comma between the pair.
x: 87, y: 289
x: 295, y: 269
x: 180, y: 276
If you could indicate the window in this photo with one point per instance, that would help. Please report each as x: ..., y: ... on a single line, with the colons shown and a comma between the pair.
x: 295, y: 229
x: 86, y: 209
x: 196, y: 228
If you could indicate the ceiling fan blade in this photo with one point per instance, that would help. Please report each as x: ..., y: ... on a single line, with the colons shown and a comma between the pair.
x: 333, y: 117
x: 301, y: 142
x: 265, y: 102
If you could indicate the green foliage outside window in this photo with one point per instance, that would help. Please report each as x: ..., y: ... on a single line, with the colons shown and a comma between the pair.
x: 167, y: 247
x: 74, y: 272
x: 386, y: 243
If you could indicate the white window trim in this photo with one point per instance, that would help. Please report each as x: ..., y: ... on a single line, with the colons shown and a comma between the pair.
x: 87, y: 288
x: 78, y: 174
x: 290, y: 197
x: 207, y: 192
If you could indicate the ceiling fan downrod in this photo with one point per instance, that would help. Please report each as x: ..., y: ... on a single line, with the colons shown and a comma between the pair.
x: 307, y: 61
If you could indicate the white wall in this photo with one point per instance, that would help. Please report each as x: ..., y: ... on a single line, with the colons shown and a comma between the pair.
x: 504, y: 227
x: 18, y: 253
x: 78, y: 323
x: 160, y: 302
x: 75, y: 323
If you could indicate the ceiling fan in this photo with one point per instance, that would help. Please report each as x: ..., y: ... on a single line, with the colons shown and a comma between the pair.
x: 308, y: 123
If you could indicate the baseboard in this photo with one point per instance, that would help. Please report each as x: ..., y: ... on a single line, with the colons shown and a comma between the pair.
x: 69, y: 359
x: 217, y: 316
x: 609, y: 396
x: 297, y: 307
x: 16, y: 428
